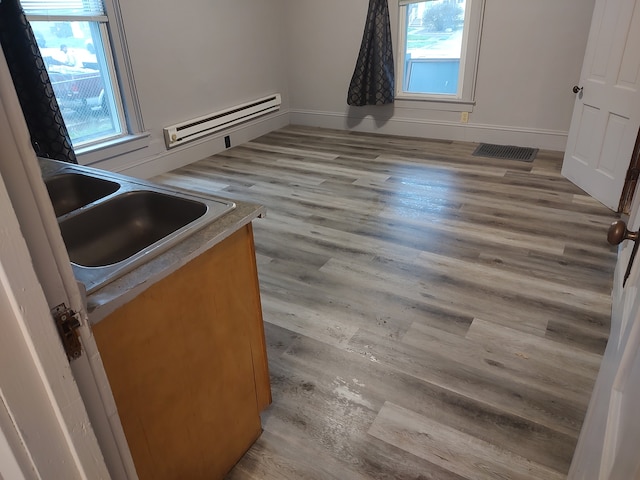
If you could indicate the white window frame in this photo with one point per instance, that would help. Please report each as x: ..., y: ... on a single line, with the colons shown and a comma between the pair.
x: 465, y: 98
x: 134, y: 136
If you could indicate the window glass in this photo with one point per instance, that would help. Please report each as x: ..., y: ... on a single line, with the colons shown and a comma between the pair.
x: 439, y: 39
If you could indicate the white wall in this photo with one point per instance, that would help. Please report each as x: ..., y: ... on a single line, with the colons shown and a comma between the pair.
x: 194, y: 58
x: 530, y: 57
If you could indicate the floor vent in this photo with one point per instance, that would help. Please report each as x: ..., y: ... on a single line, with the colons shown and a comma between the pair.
x: 506, y: 152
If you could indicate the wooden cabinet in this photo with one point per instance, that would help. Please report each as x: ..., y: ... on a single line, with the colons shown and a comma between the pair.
x: 186, y: 361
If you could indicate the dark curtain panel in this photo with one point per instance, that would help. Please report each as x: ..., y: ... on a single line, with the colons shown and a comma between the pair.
x: 49, y: 135
x: 373, y: 79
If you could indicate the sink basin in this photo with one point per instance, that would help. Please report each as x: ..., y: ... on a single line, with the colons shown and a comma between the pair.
x: 112, y: 224
x: 122, y: 226
x: 71, y: 191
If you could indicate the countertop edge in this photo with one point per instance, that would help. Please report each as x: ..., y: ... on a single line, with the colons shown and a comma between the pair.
x: 113, y: 295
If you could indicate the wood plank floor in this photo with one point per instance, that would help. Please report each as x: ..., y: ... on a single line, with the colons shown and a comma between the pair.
x: 429, y: 314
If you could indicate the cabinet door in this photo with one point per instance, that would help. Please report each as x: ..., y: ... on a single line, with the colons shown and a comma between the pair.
x: 180, y: 362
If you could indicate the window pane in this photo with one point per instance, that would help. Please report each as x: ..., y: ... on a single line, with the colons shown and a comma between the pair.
x: 75, y: 57
x: 434, y: 31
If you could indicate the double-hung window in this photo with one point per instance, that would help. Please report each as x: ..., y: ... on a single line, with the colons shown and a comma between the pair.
x: 74, y: 40
x: 439, y: 44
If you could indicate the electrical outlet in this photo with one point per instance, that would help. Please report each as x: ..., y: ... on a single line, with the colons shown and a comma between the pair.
x: 464, y: 117
x: 227, y: 141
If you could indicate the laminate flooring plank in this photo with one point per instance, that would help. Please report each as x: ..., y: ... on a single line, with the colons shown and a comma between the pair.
x: 541, y: 181
x: 460, y: 294
x: 332, y: 327
x: 529, y: 225
x: 372, y: 309
x: 516, y: 283
x: 577, y: 335
x: 363, y: 305
x: 489, y: 235
x: 467, y: 456
x: 555, y: 217
x: 573, y: 361
x: 355, y: 376
x: 429, y: 314
x: 500, y: 361
x: 514, y: 396
x: 554, y: 268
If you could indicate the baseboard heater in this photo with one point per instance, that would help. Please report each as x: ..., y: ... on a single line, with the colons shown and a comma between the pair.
x: 199, y: 127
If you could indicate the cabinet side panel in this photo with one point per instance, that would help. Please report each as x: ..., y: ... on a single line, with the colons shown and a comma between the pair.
x: 258, y: 345
x: 179, y: 361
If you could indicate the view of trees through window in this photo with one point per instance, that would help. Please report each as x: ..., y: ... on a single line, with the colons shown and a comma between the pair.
x: 433, y: 46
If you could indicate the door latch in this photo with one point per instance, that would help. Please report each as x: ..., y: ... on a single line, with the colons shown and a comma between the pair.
x: 68, y: 323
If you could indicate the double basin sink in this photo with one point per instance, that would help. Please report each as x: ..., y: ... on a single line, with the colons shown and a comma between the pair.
x: 111, y: 224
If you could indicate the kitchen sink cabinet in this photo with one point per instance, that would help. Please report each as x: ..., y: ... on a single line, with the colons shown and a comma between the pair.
x: 186, y: 362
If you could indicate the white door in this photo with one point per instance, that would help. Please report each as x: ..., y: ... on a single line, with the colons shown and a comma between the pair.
x: 608, y: 445
x: 606, y: 115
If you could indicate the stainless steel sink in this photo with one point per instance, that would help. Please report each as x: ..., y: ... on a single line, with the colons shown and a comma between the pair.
x: 125, y: 225
x: 112, y: 223
x: 70, y: 191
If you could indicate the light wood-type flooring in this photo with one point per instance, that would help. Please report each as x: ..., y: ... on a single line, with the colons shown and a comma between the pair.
x: 429, y: 314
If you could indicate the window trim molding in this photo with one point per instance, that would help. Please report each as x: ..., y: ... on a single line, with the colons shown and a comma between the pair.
x: 421, y: 103
x: 112, y: 148
x: 124, y: 68
x: 469, y: 62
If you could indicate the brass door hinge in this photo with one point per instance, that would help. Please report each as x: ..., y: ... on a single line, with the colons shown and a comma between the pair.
x: 68, y: 323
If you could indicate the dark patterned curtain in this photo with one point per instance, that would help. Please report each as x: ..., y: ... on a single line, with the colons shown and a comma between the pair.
x: 49, y: 135
x: 373, y: 79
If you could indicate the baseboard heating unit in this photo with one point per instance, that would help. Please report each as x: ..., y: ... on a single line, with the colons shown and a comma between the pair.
x: 199, y: 127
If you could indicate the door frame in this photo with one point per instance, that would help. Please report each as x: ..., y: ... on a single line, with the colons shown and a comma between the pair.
x: 592, y: 443
x: 631, y: 180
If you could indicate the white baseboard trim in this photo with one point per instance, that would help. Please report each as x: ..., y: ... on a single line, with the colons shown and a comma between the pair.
x: 167, y: 160
x: 197, y: 150
x: 437, y: 129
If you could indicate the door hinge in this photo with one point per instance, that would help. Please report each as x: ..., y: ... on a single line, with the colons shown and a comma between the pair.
x: 634, y: 174
x: 68, y: 323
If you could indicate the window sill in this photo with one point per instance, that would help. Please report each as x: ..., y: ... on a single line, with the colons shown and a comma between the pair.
x: 422, y: 103
x: 112, y: 148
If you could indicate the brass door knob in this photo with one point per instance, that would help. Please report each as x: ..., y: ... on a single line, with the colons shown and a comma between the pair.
x: 618, y: 233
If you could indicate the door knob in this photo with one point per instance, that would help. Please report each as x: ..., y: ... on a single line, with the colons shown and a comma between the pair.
x: 618, y: 233
x: 577, y: 89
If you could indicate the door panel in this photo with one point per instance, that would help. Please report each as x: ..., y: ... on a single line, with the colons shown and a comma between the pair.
x: 630, y: 68
x: 606, y: 114
x: 586, y: 142
x: 614, y: 135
